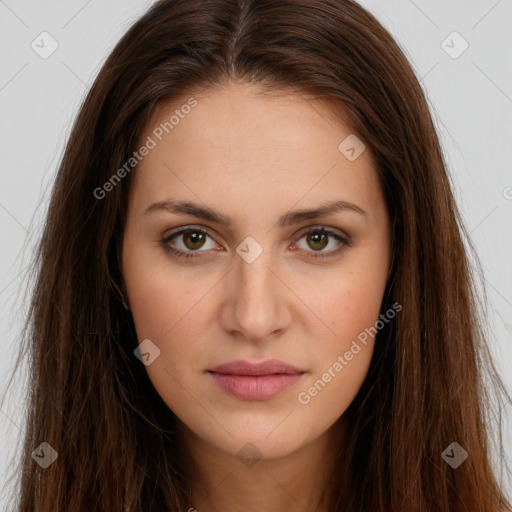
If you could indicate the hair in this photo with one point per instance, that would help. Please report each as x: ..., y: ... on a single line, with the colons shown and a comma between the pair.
x: 431, y: 374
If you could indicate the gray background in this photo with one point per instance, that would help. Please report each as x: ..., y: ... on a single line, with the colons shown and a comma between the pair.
x: 471, y: 98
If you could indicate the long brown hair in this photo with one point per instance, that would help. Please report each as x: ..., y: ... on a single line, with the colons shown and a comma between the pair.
x: 91, y: 400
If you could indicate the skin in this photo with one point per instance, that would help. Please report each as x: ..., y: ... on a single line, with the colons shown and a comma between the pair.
x: 254, y: 158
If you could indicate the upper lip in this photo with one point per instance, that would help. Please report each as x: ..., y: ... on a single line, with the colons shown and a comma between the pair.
x: 269, y: 367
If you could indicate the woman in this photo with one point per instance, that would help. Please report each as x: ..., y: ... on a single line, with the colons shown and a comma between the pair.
x: 194, y: 345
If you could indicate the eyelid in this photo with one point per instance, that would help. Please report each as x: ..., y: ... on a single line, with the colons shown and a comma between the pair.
x: 335, y: 233
x: 208, y: 231
x: 326, y: 229
x: 191, y: 227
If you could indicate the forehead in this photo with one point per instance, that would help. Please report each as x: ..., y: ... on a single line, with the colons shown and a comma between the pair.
x: 242, y: 117
x: 273, y: 148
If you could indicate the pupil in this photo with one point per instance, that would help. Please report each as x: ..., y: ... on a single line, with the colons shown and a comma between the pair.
x: 317, y: 238
x: 196, y: 238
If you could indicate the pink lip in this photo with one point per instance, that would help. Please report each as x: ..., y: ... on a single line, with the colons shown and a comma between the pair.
x: 255, y: 381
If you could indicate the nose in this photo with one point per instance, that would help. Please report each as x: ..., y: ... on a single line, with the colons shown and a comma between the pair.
x: 256, y: 304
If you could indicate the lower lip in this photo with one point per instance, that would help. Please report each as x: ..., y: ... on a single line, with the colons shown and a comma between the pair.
x: 255, y: 387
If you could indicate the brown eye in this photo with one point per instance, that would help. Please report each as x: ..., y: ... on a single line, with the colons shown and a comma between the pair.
x: 187, y: 242
x: 193, y: 239
x: 191, y: 242
x: 317, y: 239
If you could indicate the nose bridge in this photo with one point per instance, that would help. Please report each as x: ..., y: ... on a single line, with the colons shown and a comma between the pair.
x: 257, y: 292
x: 255, y: 280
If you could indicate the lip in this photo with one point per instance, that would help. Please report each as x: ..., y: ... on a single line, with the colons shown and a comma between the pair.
x: 255, y: 381
x: 268, y: 367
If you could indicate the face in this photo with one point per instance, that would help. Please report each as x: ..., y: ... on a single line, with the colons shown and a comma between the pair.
x: 252, y: 283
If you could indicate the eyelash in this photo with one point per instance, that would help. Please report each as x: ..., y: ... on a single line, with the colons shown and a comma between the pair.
x: 345, y: 242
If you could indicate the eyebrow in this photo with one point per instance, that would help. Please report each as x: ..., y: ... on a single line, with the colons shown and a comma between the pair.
x: 288, y: 219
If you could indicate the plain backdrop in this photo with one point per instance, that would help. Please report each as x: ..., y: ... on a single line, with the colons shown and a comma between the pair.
x: 467, y: 77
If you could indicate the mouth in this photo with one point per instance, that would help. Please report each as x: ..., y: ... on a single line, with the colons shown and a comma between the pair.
x: 255, y: 381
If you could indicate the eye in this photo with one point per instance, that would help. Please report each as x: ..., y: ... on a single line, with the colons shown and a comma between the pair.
x: 193, y: 239
x: 318, y: 238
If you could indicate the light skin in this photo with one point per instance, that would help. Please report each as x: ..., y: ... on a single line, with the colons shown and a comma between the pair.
x: 254, y: 159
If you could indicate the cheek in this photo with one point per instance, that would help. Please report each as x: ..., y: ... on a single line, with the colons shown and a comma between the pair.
x: 350, y: 308
x: 171, y: 313
x: 341, y: 365
x: 168, y: 317
x: 349, y: 303
x: 164, y: 313
x: 158, y: 295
